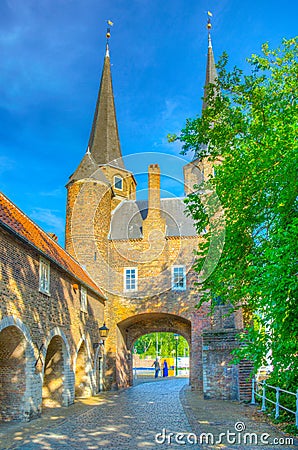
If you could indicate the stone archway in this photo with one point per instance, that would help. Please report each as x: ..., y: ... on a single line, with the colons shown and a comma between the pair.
x: 12, y: 373
x: 54, y: 373
x: 82, y: 373
x: 20, y: 393
x: 130, y: 329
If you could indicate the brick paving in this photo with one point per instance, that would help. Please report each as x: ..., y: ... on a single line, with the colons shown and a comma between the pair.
x: 216, y: 417
x: 128, y: 419
x: 131, y: 418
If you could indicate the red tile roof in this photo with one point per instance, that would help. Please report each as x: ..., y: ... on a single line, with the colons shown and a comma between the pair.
x: 23, y: 226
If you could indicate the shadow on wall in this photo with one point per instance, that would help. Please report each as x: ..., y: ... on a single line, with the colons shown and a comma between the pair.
x: 12, y: 373
x: 82, y: 378
x: 52, y: 390
x: 31, y: 321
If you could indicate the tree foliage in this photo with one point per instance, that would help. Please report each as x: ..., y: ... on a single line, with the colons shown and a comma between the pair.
x: 250, y: 127
x: 161, y: 344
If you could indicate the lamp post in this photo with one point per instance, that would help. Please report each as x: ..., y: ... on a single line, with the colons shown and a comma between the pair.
x: 176, y: 337
x: 103, y: 333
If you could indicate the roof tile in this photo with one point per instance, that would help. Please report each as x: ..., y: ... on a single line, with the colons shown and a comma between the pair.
x: 21, y: 224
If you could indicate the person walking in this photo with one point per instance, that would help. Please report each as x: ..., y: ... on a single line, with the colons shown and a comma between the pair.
x: 165, y: 371
x: 156, y: 367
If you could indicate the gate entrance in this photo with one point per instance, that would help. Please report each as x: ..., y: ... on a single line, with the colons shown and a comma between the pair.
x: 160, y: 355
x: 131, y: 329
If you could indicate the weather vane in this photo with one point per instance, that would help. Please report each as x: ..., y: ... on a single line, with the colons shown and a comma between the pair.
x: 209, y: 15
x: 110, y: 24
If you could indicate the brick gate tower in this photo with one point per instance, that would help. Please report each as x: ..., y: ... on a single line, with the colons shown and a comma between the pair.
x: 141, y: 254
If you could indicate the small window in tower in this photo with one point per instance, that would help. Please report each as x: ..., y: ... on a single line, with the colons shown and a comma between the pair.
x: 130, y: 279
x: 178, y: 278
x: 118, y: 183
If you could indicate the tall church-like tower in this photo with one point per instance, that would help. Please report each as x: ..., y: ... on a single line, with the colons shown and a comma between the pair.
x: 199, y: 170
x: 140, y: 252
x: 100, y: 179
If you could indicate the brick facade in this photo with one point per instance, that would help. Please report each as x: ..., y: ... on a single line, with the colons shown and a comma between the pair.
x: 43, y: 337
x: 47, y: 342
x: 155, y: 306
x: 112, y: 234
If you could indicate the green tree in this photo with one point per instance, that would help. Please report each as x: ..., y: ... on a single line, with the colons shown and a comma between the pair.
x: 165, y: 343
x: 250, y: 130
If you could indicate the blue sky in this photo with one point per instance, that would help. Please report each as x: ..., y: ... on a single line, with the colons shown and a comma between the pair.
x: 50, y: 66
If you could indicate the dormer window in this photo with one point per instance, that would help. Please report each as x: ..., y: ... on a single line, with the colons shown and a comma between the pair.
x: 118, y: 182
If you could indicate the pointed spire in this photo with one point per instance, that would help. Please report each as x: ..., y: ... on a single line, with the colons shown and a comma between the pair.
x: 104, y: 141
x: 107, y: 51
x: 211, y: 73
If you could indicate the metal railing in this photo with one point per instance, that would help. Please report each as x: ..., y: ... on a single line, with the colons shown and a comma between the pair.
x: 264, y: 386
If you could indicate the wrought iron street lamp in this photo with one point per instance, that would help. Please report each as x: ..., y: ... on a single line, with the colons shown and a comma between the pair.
x: 103, y: 333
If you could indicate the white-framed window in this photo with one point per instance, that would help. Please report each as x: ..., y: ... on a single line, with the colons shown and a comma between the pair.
x: 178, y: 278
x: 118, y: 182
x: 130, y: 279
x: 44, y: 276
x: 83, y: 299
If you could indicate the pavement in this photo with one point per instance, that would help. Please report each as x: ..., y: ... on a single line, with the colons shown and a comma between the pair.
x: 154, y: 414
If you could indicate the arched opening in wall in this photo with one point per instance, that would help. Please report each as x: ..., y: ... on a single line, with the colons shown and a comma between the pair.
x: 12, y: 373
x: 82, y: 375
x: 53, y: 382
x: 160, y: 355
x: 168, y: 330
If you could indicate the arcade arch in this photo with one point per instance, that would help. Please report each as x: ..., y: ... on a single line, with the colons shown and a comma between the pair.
x: 132, y: 328
x: 83, y: 386
x: 20, y: 393
x: 12, y: 372
x: 55, y: 368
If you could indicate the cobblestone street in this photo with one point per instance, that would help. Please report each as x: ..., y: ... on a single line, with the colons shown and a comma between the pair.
x: 130, y: 419
x: 127, y: 420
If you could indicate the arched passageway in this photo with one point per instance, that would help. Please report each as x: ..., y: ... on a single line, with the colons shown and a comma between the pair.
x: 82, y: 374
x: 160, y: 355
x: 53, y: 383
x: 131, y: 329
x: 12, y: 373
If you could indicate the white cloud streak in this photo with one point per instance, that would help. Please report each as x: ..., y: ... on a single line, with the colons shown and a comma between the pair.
x: 49, y: 218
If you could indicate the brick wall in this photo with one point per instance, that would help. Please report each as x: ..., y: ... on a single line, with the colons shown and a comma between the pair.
x: 46, y: 329
x: 223, y: 380
x: 129, y: 315
x: 128, y: 190
x: 12, y: 373
x: 245, y: 383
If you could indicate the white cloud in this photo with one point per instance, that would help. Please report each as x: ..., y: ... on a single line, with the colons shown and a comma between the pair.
x: 52, y: 193
x: 48, y: 217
